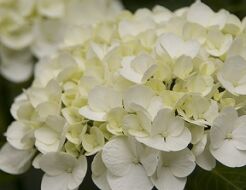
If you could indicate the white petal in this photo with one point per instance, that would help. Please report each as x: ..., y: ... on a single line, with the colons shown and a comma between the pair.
x: 135, y: 125
x: 155, y: 106
x: 138, y: 69
x: 197, y: 133
x: 183, y: 162
x: 135, y: 179
x: 166, y: 180
x: 229, y: 155
x: 56, y: 163
x: 139, y: 95
x: 55, y: 182
x: 212, y: 112
x: 46, y: 135
x: 205, y: 160
x: 241, y: 89
x: 128, y: 73
x: 177, y: 143
x: 117, y: 156
x: 103, y: 98
x: 239, y: 134
x: 199, y: 147
x: 200, y: 13
x: 191, y: 48
x: 17, y: 71
x: 172, y: 44
x: 162, y: 121
x: 78, y: 173
x: 46, y: 109
x: 99, y: 173
x: 92, y: 115
x: 35, y: 162
x: 149, y: 158
x: 15, y: 161
x: 45, y: 148
x: 51, y: 8
x: 231, y: 73
x: 222, y: 125
x: 18, y: 39
x: 20, y: 136
x: 156, y: 142
x: 176, y: 47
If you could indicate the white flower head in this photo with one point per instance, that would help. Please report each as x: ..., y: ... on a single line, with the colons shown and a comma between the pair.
x: 228, y: 138
x: 173, y: 169
x: 232, y: 75
x: 129, y: 164
x: 15, y: 161
x: 62, y: 171
x: 168, y: 133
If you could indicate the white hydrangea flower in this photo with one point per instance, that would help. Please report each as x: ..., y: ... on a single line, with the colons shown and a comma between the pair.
x: 227, y: 137
x: 217, y: 43
x: 50, y: 137
x: 93, y: 141
x: 138, y: 69
x: 115, y: 121
x: 16, y: 61
x: 173, y: 169
x: 142, y: 98
x: 168, y: 132
x: 232, y: 75
x: 175, y: 47
x: 197, y: 109
x: 15, y: 161
x: 48, y: 37
x: 18, y: 38
x: 42, y: 33
x: 138, y: 91
x: 20, y: 135
x: 62, y: 171
x: 183, y: 67
x: 129, y: 162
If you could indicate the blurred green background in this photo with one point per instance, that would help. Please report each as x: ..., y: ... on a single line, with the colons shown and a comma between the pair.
x: 31, y: 180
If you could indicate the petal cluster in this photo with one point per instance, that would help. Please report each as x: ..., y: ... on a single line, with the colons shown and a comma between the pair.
x: 36, y: 28
x: 150, y: 94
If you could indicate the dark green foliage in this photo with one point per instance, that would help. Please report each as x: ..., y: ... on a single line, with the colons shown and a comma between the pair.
x: 221, y: 178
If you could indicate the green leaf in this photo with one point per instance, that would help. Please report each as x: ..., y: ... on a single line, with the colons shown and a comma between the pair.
x: 221, y: 178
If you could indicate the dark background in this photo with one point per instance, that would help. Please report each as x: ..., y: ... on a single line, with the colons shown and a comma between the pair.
x: 31, y: 180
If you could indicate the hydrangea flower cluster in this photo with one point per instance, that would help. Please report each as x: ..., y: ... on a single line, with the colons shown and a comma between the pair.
x: 150, y: 95
x: 36, y: 27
